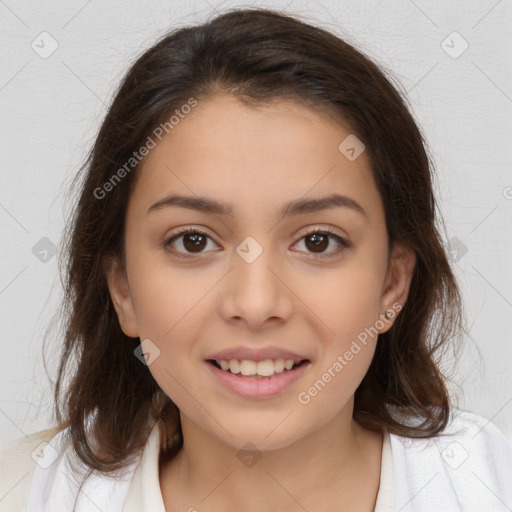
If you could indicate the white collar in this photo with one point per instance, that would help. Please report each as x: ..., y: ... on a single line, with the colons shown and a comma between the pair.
x: 467, y: 467
x: 136, y: 488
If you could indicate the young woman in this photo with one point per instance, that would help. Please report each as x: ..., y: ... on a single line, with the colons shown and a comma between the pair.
x: 256, y: 296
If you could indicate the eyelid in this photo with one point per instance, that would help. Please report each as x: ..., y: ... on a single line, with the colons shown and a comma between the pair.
x: 316, y: 228
x: 341, y: 240
x: 183, y: 231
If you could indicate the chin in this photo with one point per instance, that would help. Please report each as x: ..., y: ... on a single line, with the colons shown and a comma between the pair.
x: 261, y: 437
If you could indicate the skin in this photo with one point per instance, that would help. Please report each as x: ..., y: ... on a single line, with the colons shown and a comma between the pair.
x: 291, y: 297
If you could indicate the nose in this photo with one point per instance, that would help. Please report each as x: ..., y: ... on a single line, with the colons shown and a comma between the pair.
x: 255, y: 292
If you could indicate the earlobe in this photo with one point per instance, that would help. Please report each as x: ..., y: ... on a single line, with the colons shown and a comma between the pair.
x: 121, y: 297
x: 398, y: 282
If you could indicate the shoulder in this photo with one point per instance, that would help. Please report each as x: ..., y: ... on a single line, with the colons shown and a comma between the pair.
x: 468, y: 464
x: 467, y: 430
x: 18, y: 460
x: 477, y: 440
x: 467, y: 422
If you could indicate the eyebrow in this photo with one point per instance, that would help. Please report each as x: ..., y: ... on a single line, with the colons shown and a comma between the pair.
x: 295, y: 207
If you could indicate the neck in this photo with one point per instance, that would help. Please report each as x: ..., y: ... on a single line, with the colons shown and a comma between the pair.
x: 335, y: 466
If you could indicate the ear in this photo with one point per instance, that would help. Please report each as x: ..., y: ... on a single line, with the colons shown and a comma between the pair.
x: 398, y: 283
x: 121, y: 297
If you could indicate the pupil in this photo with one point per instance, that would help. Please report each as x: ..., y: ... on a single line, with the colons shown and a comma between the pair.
x: 318, y: 241
x: 196, y: 241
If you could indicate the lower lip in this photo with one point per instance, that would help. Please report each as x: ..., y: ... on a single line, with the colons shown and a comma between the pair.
x: 255, y: 387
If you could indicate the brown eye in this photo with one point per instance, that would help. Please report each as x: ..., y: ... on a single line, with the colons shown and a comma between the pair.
x: 194, y: 242
x: 318, y: 241
x: 188, y: 241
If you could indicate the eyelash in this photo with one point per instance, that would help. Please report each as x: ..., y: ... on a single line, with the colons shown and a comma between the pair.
x: 343, y: 243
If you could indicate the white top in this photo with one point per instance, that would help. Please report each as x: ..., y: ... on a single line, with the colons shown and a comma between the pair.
x: 467, y: 468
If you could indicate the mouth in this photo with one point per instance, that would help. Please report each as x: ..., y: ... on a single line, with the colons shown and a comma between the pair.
x: 257, y: 370
x: 258, y: 379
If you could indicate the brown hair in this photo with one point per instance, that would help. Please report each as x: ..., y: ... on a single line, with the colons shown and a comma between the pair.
x: 259, y: 56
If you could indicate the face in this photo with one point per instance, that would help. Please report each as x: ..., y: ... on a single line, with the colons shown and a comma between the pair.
x: 250, y: 283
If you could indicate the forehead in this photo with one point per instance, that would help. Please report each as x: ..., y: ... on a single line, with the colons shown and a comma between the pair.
x: 259, y: 157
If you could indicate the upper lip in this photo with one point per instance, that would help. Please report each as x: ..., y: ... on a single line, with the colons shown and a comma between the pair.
x: 256, y: 354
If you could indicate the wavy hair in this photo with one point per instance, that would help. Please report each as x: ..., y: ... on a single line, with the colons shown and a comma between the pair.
x: 102, y: 391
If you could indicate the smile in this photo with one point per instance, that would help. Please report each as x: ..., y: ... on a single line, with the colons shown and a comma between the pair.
x: 260, y: 379
x: 266, y: 368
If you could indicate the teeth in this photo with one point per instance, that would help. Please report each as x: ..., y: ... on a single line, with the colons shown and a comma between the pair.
x: 288, y: 364
x: 247, y: 367
x: 234, y: 366
x: 279, y: 365
x: 265, y: 368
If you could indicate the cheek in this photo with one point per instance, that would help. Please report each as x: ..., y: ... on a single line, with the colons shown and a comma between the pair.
x: 346, y: 300
x: 333, y: 386
x: 170, y: 315
x: 166, y: 296
x: 348, y: 305
x: 172, y: 305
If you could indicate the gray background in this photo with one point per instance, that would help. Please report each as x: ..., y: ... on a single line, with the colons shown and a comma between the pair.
x: 52, y: 105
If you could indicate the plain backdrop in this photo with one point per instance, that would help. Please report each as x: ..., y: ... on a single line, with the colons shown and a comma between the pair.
x: 61, y: 62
